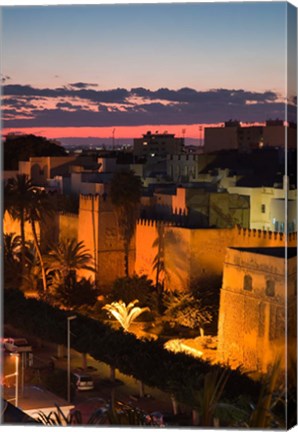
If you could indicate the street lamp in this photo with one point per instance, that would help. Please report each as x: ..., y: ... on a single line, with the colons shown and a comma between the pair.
x: 68, y: 355
x: 16, y: 374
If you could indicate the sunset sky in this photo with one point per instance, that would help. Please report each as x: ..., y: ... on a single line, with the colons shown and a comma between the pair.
x: 83, y: 71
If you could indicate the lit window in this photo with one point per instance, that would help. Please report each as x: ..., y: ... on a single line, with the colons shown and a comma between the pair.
x: 270, y: 288
x: 145, y: 143
x: 247, y: 283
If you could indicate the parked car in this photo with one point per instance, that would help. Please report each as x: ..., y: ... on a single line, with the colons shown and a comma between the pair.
x: 83, y: 381
x: 17, y: 345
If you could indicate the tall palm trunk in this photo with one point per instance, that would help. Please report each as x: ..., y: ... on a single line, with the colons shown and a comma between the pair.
x: 23, y: 240
x: 39, y: 254
x: 126, y: 257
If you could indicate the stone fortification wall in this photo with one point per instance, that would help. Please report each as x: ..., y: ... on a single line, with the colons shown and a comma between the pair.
x: 68, y: 225
x: 251, y: 330
x: 193, y: 255
x: 48, y: 233
x: 98, y: 228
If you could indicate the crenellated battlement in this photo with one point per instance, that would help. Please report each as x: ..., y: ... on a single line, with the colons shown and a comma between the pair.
x: 154, y: 223
x: 277, y: 237
x: 266, y: 235
x: 89, y: 197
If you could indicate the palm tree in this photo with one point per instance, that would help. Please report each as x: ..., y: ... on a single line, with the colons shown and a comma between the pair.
x: 125, y: 315
x: 66, y: 258
x: 17, y: 196
x: 40, y: 207
x: 125, y: 196
x: 11, y: 259
x: 119, y: 414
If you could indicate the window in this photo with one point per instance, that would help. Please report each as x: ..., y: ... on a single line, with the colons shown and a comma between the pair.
x: 270, y: 288
x: 263, y: 208
x: 247, y: 283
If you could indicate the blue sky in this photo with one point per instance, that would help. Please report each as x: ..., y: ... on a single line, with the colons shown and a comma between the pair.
x: 63, y: 66
x: 175, y: 45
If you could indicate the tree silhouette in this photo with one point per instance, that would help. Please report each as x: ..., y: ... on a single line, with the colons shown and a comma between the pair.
x: 39, y: 209
x: 183, y: 308
x: 18, y: 193
x: 11, y: 259
x: 65, y: 259
x: 125, y: 196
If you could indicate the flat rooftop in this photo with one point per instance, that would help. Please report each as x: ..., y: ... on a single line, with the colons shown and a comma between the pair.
x: 277, y: 252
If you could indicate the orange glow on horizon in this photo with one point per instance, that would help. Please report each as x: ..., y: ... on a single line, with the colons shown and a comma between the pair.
x: 191, y: 131
x: 195, y: 131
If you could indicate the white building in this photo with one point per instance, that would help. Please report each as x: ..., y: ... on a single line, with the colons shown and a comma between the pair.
x: 268, y: 206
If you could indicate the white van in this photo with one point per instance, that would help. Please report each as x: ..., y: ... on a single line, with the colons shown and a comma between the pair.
x: 83, y: 382
x: 17, y: 345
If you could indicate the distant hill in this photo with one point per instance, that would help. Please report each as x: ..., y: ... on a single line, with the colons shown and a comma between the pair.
x: 22, y: 147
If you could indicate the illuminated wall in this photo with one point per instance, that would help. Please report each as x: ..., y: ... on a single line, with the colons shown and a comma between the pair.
x: 251, y: 329
x: 98, y: 229
x: 193, y: 255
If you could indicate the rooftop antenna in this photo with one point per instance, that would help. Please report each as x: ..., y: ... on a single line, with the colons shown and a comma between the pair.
x: 183, y: 133
x: 113, y: 135
x: 200, y: 136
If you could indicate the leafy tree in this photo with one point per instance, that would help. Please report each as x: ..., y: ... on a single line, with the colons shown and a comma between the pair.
x: 128, y: 289
x: 125, y: 314
x: 183, y: 309
x: 76, y: 293
x: 125, y: 195
x: 21, y: 147
x: 130, y: 355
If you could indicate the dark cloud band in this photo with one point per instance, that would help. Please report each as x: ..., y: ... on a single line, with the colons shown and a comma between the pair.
x: 117, y: 107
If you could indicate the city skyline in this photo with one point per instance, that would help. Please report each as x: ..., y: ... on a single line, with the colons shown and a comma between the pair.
x: 139, y: 67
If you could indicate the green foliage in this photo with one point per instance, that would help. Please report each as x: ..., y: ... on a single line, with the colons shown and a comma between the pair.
x: 17, y: 196
x: 184, y: 309
x: 22, y: 147
x: 63, y: 261
x: 145, y: 360
x: 128, y: 289
x: 56, y: 382
x: 74, y: 293
x: 69, y: 256
x: 270, y: 394
x: 11, y: 260
x: 121, y: 415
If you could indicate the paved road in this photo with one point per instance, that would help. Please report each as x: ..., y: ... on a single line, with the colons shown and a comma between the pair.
x: 125, y: 390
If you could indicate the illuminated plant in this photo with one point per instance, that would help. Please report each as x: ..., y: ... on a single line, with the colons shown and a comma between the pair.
x: 125, y: 314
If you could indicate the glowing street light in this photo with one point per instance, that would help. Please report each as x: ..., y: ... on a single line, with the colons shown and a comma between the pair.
x: 16, y: 374
x: 73, y: 317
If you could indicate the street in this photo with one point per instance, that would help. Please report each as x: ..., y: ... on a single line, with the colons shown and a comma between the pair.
x: 125, y: 389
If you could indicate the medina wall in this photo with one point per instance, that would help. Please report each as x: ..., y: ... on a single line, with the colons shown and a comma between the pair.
x: 68, y: 225
x: 48, y: 233
x: 252, y: 330
x: 98, y: 229
x: 192, y: 256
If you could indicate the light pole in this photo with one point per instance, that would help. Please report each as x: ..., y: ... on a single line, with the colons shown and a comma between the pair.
x: 68, y: 355
x: 16, y: 374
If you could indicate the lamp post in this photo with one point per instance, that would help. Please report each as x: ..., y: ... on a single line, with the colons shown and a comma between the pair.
x: 68, y: 355
x: 16, y: 374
